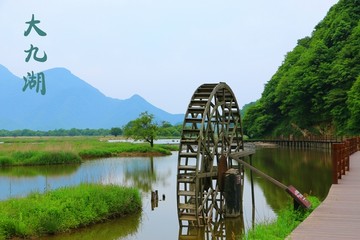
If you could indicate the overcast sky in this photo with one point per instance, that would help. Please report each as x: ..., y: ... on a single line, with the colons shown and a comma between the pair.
x: 160, y: 49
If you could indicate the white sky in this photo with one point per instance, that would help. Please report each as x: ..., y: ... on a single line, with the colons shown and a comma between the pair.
x: 160, y: 49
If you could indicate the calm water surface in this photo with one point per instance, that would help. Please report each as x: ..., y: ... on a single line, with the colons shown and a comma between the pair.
x: 308, y: 170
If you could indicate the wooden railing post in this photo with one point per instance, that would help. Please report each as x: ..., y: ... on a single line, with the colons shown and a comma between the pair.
x: 346, y: 156
x: 335, y: 161
x: 341, y: 156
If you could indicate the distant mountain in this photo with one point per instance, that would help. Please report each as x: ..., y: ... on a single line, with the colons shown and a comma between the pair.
x: 69, y: 102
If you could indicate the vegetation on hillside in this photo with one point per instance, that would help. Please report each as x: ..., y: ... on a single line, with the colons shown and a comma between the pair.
x: 245, y: 108
x: 316, y: 89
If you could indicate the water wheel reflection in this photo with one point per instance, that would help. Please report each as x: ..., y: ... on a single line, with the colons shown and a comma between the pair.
x: 228, y: 228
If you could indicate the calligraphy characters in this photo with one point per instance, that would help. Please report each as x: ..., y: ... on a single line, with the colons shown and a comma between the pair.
x: 35, y: 80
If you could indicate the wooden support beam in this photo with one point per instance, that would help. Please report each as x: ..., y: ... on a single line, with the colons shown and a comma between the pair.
x: 292, y: 191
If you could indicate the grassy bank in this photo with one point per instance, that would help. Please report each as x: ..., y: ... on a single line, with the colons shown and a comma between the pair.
x: 287, y: 220
x: 64, y: 209
x: 28, y: 158
x: 64, y: 150
x: 126, y: 149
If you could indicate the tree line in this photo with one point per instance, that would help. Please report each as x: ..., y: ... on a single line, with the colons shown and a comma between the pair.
x: 163, y: 129
x: 57, y: 132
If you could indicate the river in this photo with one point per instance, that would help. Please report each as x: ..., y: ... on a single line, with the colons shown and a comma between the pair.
x: 308, y: 170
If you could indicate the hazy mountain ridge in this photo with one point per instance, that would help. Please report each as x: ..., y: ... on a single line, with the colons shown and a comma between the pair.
x: 69, y: 102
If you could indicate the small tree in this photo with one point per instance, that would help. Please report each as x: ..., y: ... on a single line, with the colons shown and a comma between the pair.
x: 142, y: 128
x: 115, y: 131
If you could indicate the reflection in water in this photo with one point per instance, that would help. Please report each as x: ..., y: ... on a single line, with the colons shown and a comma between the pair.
x: 34, y: 171
x: 20, y: 180
x: 114, y: 229
x: 234, y: 227
x: 143, y: 175
x: 228, y: 228
x: 308, y: 170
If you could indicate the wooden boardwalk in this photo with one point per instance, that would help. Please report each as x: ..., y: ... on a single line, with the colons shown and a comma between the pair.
x: 338, y: 217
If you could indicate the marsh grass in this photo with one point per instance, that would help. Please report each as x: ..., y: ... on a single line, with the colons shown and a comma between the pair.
x: 122, y: 149
x: 287, y: 220
x: 65, y: 208
x: 31, y: 158
x: 64, y: 150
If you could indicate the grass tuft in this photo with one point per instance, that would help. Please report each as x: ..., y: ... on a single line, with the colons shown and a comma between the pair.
x: 27, y: 158
x: 64, y: 209
x: 288, y: 219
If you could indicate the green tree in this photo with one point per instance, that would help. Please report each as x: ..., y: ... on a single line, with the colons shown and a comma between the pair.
x: 74, y: 132
x: 115, y: 131
x: 142, y: 128
x: 165, y: 124
x: 354, y: 107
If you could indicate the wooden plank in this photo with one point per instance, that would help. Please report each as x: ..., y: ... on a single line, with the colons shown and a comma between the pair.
x: 338, y: 216
x: 241, y: 154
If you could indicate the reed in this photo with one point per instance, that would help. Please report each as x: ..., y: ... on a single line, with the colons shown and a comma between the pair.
x: 31, y: 158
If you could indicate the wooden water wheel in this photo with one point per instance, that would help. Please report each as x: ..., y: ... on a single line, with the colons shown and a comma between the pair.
x: 212, y: 130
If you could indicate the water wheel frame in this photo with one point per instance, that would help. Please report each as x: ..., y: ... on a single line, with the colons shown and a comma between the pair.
x: 212, y: 130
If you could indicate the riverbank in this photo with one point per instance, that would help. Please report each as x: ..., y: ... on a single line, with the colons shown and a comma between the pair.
x: 287, y: 220
x: 65, y: 208
x: 66, y: 150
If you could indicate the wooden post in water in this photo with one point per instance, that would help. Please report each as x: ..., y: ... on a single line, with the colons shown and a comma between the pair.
x: 232, y: 193
x: 252, y: 185
x: 294, y: 193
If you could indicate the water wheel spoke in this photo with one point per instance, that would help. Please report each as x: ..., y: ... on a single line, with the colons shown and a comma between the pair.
x: 211, y: 130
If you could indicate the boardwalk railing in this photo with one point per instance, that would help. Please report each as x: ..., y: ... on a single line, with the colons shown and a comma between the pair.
x: 301, y: 142
x: 340, y: 156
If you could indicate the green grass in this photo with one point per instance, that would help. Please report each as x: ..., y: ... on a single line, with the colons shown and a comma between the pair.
x: 64, y: 209
x: 30, y: 158
x: 287, y: 220
x: 123, y: 149
x: 65, y: 150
